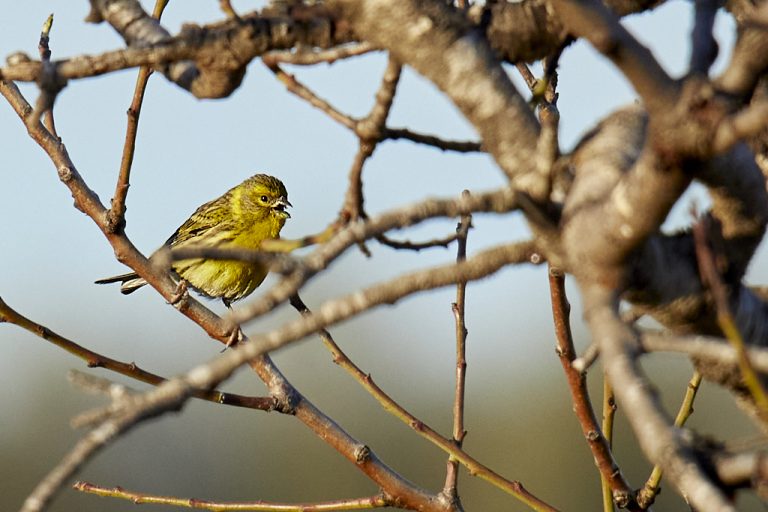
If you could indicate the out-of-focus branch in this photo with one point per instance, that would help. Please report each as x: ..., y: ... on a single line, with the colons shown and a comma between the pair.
x: 661, y: 442
x: 499, y: 201
x: 450, y: 446
x: 331, y: 312
x: 712, y: 351
x: 749, y: 60
x: 173, y: 392
x: 140, y: 498
x: 44, y: 103
x: 703, y: 45
x: 620, y: 195
x: 710, y: 276
x: 207, y: 61
x: 96, y: 360
x: 746, y: 469
x: 531, y: 30
x: 595, y: 22
x: 138, y: 407
x: 461, y: 64
x: 303, y: 57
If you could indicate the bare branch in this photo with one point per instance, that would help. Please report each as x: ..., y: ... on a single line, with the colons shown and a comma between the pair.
x: 703, y: 44
x: 458, y: 308
x: 431, y: 140
x: 621, y: 491
x: 594, y: 21
x: 140, y: 498
x: 463, y: 66
x: 117, y: 209
x: 96, y: 360
x: 498, y: 201
x: 303, y: 57
x: 709, y: 349
x: 648, y: 493
x: 450, y: 446
x: 661, y: 442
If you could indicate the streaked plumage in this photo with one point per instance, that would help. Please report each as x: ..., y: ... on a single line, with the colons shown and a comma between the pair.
x: 241, y: 218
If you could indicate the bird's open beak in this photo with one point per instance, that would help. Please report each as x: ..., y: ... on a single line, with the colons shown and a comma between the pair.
x: 280, y: 205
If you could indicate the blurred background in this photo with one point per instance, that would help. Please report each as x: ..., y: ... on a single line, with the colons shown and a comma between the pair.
x: 518, y: 413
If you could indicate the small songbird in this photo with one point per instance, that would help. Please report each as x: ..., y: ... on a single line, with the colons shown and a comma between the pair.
x: 242, y: 218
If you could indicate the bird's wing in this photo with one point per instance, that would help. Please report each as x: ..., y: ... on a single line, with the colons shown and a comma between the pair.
x: 209, y: 224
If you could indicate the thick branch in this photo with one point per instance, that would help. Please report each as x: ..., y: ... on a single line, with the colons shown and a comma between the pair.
x: 455, y: 58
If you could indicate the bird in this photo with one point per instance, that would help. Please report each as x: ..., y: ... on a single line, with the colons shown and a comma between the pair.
x: 241, y: 218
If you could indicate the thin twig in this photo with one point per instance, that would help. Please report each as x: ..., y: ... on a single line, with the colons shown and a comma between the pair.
x: 45, y: 101
x: 143, y: 406
x: 369, y: 132
x: 140, y: 498
x: 354, y: 198
x: 431, y: 140
x: 475, y: 468
x: 311, y: 57
x: 528, y: 77
x: 303, y: 92
x: 609, y: 413
x: 587, y: 359
x: 356, y: 232
x: 117, y: 210
x: 228, y: 10
x: 458, y: 308
x: 660, y: 440
x: 647, y: 494
x: 96, y: 360
x: 711, y: 277
x: 417, y: 246
x: 741, y: 125
x: 601, y: 450
x: 173, y: 393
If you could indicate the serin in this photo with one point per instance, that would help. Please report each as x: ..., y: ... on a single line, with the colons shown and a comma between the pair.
x: 242, y: 218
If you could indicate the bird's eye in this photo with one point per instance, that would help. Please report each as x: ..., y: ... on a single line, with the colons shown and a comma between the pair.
x: 264, y: 199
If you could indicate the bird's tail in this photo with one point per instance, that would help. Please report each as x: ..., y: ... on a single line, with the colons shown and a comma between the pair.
x: 130, y: 282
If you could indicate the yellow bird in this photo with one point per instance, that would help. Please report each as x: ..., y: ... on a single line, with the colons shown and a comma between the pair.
x: 242, y: 218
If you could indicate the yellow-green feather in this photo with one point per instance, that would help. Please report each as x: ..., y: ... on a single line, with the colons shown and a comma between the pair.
x: 238, y: 219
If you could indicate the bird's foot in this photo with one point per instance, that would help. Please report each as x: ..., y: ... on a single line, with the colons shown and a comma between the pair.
x: 181, y: 293
x: 234, y: 338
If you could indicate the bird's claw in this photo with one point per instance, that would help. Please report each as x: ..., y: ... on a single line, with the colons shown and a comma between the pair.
x: 181, y: 293
x: 234, y: 338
